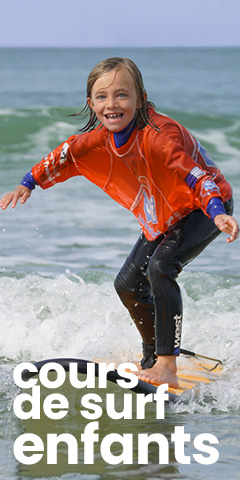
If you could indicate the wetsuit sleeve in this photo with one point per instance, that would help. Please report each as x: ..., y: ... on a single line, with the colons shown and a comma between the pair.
x: 58, y: 166
x: 215, y: 207
x: 29, y: 181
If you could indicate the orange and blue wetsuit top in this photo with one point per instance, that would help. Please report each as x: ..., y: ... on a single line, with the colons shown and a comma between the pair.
x: 159, y: 175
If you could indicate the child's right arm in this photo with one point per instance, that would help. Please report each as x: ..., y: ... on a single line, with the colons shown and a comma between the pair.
x: 21, y: 193
x: 56, y: 167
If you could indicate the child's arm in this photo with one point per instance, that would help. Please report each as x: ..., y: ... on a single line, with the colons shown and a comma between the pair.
x: 28, y: 183
x: 56, y: 167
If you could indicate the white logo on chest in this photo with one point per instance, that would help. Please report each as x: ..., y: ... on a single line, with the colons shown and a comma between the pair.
x: 150, y: 208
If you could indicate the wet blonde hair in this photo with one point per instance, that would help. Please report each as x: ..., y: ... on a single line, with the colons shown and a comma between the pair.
x: 142, y: 117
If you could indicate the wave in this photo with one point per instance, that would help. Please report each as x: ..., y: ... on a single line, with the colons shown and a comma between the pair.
x: 40, y: 129
x: 72, y: 310
x: 65, y: 316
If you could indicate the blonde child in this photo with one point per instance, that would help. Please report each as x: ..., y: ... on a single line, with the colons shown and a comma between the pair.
x: 154, y: 167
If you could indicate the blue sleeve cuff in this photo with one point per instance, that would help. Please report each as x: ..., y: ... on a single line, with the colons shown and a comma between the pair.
x: 28, y: 181
x: 215, y: 207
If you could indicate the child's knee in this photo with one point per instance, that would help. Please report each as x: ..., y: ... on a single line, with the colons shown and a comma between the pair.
x: 162, y: 267
x: 131, y: 285
x: 126, y: 280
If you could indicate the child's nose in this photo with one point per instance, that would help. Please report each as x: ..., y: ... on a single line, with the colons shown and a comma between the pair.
x: 112, y: 102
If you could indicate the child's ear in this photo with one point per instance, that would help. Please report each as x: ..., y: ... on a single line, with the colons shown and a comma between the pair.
x: 143, y: 101
x: 90, y: 103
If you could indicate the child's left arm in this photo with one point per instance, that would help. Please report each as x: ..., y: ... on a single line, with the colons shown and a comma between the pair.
x: 227, y: 224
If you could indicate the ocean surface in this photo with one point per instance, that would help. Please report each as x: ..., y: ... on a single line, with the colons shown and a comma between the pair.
x: 61, y: 251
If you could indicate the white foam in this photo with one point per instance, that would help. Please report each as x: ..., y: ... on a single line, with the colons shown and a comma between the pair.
x: 44, y: 317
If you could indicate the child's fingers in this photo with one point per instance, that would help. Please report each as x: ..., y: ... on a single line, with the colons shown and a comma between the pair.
x: 25, y: 196
x: 231, y: 228
x: 21, y: 192
x: 15, y: 199
x: 6, y: 200
x: 227, y: 224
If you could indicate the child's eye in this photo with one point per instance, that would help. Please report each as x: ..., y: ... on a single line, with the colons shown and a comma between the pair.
x: 100, y: 97
x: 122, y: 95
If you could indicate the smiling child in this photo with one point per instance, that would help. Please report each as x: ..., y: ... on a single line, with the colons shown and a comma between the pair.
x: 155, y: 168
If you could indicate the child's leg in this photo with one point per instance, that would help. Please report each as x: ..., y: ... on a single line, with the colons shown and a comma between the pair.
x: 184, y: 241
x: 134, y: 290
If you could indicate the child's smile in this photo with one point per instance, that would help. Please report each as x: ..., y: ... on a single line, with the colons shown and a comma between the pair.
x: 114, y: 99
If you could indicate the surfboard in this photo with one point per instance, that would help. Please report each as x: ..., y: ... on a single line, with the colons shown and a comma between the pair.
x: 193, y: 369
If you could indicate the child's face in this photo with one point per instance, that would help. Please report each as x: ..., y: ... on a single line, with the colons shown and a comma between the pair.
x: 114, y: 99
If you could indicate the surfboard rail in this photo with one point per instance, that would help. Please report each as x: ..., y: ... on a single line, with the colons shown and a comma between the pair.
x: 192, y: 370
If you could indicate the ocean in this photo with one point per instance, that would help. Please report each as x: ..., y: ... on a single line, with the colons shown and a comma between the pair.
x: 61, y: 251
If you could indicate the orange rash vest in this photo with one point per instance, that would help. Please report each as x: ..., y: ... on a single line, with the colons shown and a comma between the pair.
x: 159, y: 176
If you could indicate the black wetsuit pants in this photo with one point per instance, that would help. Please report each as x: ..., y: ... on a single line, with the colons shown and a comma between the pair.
x: 147, y: 283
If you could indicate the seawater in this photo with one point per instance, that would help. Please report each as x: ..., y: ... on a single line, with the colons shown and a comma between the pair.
x: 61, y: 251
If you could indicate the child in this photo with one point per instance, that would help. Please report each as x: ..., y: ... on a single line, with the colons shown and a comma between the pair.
x: 154, y: 167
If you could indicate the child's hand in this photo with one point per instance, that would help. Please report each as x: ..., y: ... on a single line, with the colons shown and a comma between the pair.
x: 21, y: 192
x: 227, y: 224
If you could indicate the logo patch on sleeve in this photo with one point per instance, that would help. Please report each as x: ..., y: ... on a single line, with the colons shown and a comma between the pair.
x: 63, y: 155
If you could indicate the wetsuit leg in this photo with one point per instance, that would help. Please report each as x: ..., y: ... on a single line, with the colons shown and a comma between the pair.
x: 134, y: 290
x: 183, y: 242
x: 147, y: 283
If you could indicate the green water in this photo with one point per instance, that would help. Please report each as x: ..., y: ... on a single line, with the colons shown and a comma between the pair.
x: 61, y: 251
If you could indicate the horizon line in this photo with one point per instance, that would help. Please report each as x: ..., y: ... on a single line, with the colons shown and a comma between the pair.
x: 119, y: 46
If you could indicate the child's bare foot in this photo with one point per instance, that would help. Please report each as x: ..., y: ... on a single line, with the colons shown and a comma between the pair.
x: 164, y: 371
